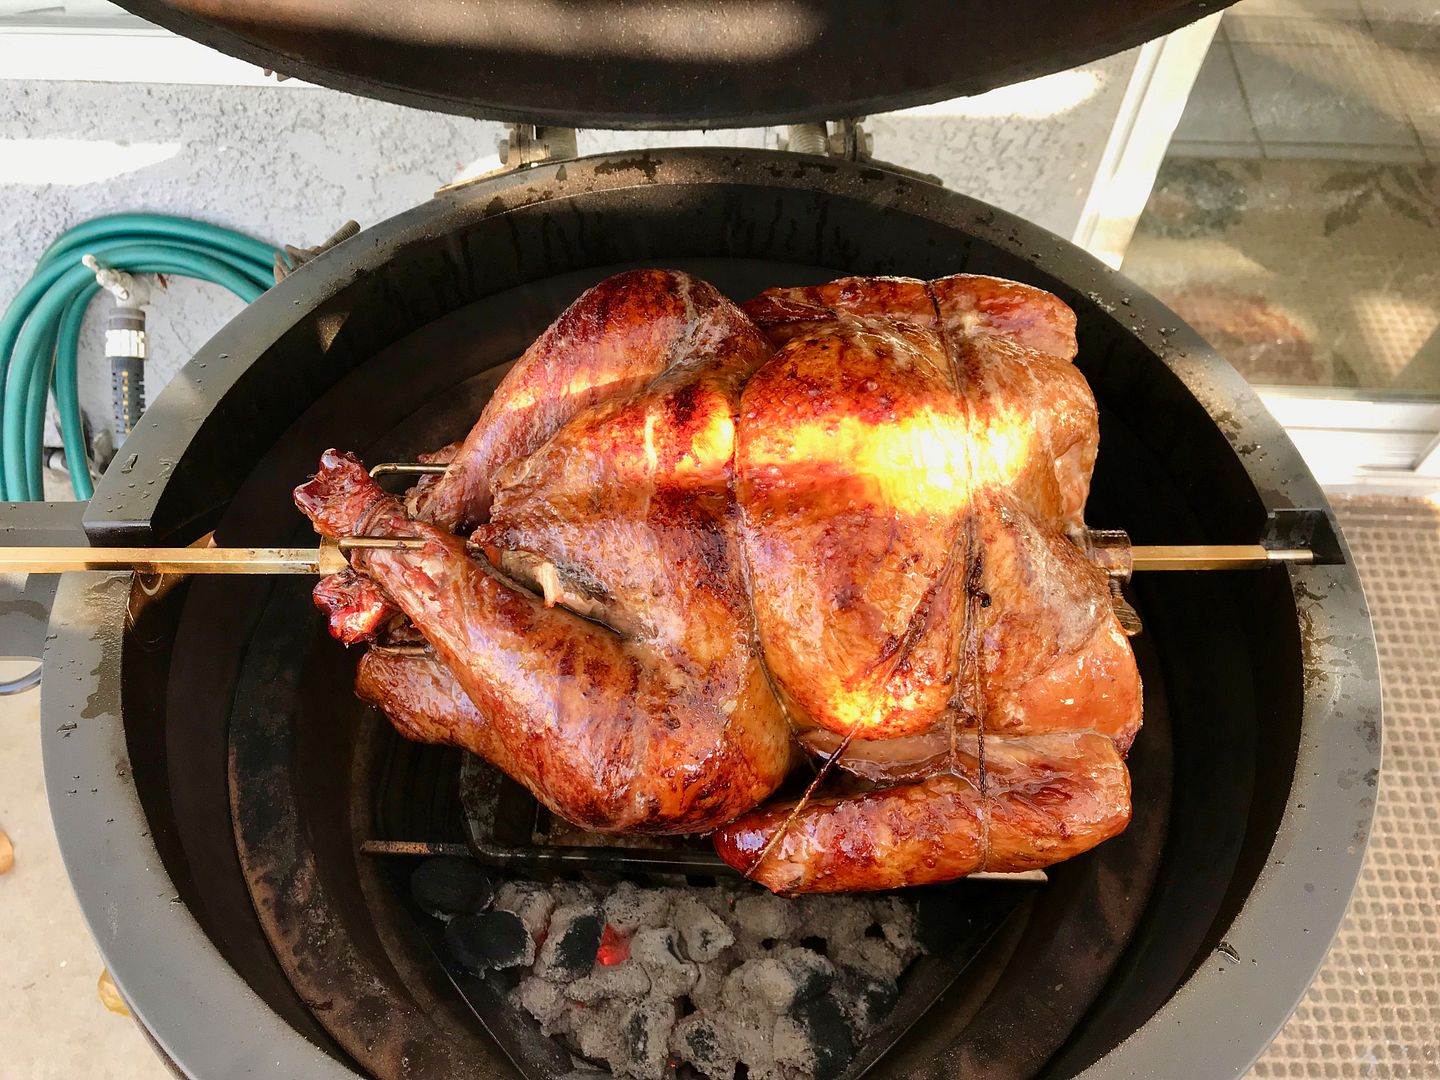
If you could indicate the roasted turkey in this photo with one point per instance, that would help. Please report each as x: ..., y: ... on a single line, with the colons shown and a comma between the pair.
x: 687, y: 545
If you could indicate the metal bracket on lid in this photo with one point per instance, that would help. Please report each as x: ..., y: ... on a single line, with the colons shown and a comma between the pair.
x: 837, y: 138
x: 522, y: 146
x: 530, y: 144
x: 845, y: 139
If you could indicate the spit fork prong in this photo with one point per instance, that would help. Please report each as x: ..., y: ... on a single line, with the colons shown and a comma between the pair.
x: 407, y: 468
x: 403, y: 649
x: 330, y: 558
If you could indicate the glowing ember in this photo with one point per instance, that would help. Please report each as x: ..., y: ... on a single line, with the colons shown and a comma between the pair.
x: 614, y: 947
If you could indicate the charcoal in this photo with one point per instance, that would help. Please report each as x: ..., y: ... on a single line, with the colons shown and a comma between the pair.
x: 530, y: 900
x: 598, y: 1036
x: 709, y: 986
x: 714, y: 982
x: 752, y: 1034
x: 814, y: 1039
x: 544, y: 1001
x: 628, y: 907
x: 897, y: 923
x: 490, y: 940
x: 706, y: 1043
x: 836, y: 919
x: 872, y: 954
x: 763, y: 917
x: 571, y: 942
x: 571, y: 892
x: 810, y: 973
x: 780, y: 980
x: 646, y: 1027
x: 625, y: 981
x: 446, y: 886
x: 865, y: 1000
x: 658, y: 952
x: 704, y: 934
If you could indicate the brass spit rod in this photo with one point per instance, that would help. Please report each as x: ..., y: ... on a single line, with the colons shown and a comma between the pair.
x: 59, y: 560
x: 329, y: 557
x: 1214, y: 556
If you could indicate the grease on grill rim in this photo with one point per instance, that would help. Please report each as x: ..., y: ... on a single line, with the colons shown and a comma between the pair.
x: 713, y: 982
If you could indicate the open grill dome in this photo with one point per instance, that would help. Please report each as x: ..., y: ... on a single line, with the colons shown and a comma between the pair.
x: 687, y: 64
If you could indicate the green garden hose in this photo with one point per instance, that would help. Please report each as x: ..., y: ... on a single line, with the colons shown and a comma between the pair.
x: 39, y: 332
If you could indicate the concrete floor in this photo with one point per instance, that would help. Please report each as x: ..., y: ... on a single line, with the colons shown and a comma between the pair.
x: 54, y: 1026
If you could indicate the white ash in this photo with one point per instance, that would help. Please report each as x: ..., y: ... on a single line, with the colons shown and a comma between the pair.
x: 543, y: 1000
x: 704, y: 934
x: 791, y: 1045
x: 571, y: 892
x: 710, y: 980
x: 707, y: 992
x: 658, y: 952
x: 531, y: 901
x: 629, y: 908
x: 780, y: 980
x: 598, y: 1037
x: 750, y: 1030
x: 872, y: 954
x: 763, y: 917
x: 624, y: 982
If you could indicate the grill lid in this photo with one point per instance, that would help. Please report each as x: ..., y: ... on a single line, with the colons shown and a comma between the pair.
x: 670, y: 64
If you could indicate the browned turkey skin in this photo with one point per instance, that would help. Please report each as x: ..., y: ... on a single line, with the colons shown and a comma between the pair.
x: 695, y: 544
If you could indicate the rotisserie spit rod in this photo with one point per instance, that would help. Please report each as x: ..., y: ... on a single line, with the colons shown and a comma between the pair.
x: 330, y: 558
x: 1110, y: 548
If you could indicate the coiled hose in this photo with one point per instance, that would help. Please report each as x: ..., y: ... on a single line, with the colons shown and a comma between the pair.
x: 39, y: 332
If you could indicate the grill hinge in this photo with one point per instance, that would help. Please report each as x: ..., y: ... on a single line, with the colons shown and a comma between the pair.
x: 846, y: 139
x: 522, y: 146
x: 530, y: 144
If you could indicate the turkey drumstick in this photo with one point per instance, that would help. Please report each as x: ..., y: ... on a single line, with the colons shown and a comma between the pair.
x: 605, y: 730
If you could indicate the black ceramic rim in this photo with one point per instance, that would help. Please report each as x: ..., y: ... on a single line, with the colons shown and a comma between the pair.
x: 213, y: 1024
